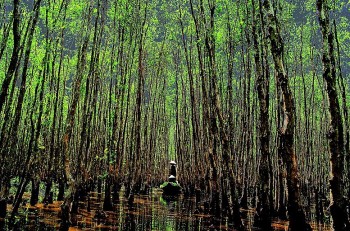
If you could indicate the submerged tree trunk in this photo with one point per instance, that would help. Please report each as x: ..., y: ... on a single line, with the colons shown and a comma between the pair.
x: 34, y: 197
x: 66, y: 206
x: 297, y: 219
x: 3, y: 207
x: 48, y: 194
x: 335, y: 134
x: 35, y: 130
x: 107, y: 202
x: 61, y: 187
x: 262, y: 218
x: 218, y: 127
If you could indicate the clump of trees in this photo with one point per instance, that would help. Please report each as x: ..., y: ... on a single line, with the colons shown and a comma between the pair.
x: 250, y: 97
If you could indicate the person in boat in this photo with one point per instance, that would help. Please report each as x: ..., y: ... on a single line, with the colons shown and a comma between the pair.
x: 171, y: 187
x: 172, y: 178
x: 172, y: 170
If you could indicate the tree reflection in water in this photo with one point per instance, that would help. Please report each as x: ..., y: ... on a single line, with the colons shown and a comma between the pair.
x: 149, y: 212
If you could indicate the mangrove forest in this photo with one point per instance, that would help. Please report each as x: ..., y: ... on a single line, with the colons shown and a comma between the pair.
x: 175, y: 115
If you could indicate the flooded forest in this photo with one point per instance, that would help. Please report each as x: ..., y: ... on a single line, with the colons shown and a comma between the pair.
x: 174, y: 115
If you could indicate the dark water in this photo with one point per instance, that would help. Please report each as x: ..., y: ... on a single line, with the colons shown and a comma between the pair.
x: 150, y: 212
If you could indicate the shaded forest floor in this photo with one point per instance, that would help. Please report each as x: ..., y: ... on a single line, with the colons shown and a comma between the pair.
x: 149, y: 212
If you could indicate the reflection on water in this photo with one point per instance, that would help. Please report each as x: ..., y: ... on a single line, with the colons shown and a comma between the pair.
x: 150, y: 212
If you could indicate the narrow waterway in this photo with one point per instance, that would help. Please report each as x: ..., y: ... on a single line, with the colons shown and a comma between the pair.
x: 149, y: 212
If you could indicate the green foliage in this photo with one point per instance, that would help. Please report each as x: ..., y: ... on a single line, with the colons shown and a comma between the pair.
x: 166, y: 183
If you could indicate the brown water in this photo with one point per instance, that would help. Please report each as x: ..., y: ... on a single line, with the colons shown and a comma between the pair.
x: 150, y: 212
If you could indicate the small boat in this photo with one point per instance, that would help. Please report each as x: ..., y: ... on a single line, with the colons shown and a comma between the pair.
x: 171, y: 187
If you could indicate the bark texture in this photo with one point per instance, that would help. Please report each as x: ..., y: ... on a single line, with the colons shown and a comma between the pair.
x: 297, y: 220
x: 335, y: 133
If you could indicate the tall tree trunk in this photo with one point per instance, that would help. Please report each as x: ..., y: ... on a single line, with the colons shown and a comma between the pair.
x: 217, y: 124
x: 5, y: 85
x: 66, y: 206
x: 18, y: 112
x: 344, y: 104
x: 263, y: 213
x: 335, y: 134
x: 297, y: 220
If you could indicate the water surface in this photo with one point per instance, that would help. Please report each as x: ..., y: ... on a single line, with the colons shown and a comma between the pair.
x: 149, y: 212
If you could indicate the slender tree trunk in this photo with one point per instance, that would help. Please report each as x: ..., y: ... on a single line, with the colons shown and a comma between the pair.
x: 217, y: 125
x: 66, y: 206
x: 335, y: 134
x: 35, y: 131
x: 263, y: 213
x: 14, y: 58
x: 34, y: 196
x: 343, y: 90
